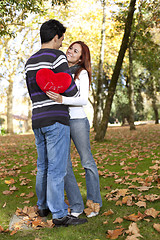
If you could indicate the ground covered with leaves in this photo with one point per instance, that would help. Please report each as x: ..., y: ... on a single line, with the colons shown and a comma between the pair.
x: 129, y: 168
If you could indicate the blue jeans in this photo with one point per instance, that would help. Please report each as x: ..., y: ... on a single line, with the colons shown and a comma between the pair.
x: 80, y: 131
x: 52, y: 144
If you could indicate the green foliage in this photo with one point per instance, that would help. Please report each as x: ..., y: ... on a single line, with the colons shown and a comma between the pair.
x: 10, y: 9
x: 120, y: 107
x: 59, y: 2
x: 3, y: 131
x: 149, y: 114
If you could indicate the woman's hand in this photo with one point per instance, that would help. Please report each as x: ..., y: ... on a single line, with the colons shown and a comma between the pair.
x: 54, y: 96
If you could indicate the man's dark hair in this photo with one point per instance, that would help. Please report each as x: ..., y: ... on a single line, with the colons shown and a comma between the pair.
x: 50, y: 29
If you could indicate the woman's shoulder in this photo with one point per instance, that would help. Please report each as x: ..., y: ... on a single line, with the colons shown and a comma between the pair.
x: 83, y: 72
x: 83, y: 76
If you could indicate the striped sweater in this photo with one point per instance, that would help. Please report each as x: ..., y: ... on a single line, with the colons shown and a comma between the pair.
x: 46, y: 112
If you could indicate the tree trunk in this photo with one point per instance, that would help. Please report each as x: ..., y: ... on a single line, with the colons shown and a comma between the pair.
x: 9, y: 107
x: 155, y: 109
x: 99, y: 98
x: 101, y: 131
x: 95, y: 118
x: 154, y: 101
x: 131, y: 90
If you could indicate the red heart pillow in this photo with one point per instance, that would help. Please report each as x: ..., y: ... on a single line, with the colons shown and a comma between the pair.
x: 47, y: 80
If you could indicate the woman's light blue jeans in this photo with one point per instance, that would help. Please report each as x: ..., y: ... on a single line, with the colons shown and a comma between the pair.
x: 53, y: 148
x: 80, y: 132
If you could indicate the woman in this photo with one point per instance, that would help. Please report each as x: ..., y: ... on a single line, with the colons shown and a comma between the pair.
x: 78, y: 56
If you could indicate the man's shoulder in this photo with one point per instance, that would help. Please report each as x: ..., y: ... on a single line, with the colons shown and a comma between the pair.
x: 47, y: 50
x: 45, y: 55
x: 32, y: 56
x: 58, y: 52
x: 54, y: 51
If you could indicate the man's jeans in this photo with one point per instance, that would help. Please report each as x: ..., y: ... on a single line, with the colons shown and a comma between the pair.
x: 80, y: 131
x: 53, y: 148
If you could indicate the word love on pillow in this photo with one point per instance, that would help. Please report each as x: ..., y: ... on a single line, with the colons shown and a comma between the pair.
x: 47, y: 80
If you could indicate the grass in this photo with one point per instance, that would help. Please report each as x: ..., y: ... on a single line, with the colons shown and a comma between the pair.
x: 125, y: 158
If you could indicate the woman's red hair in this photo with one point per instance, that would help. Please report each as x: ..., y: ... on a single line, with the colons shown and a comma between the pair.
x: 85, y: 58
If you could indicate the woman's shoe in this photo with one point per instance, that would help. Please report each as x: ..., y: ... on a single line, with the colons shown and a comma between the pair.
x: 74, y: 214
x: 92, y: 214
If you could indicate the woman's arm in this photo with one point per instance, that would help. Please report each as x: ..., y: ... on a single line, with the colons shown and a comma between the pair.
x: 54, y: 96
x: 81, y: 99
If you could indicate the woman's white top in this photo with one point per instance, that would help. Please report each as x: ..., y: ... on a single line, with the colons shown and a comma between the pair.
x: 76, y: 103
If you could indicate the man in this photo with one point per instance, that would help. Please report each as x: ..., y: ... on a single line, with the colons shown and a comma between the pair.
x: 50, y: 123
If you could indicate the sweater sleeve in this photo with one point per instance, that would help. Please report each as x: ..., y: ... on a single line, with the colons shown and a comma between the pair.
x: 83, y: 86
x: 61, y: 65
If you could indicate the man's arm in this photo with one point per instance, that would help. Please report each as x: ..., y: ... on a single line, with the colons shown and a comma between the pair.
x: 61, y: 65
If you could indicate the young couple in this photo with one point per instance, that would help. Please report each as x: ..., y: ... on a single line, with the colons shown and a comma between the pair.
x: 56, y: 118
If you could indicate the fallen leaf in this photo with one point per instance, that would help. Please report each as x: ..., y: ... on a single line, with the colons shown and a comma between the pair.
x: 13, y: 188
x: 79, y: 184
x: 92, y: 207
x: 157, y: 226
x: 90, y: 204
x: 22, y: 194
x: 122, y: 163
x: 133, y: 217
x: 143, y: 188
x: 25, y: 209
x: 114, y: 234
x: 87, y: 211
x: 9, y: 182
x: 152, y: 197
x: 149, y: 179
x: 109, y: 212
x: 118, y: 220
x: 147, y: 220
x: 132, y: 237
x: 105, y: 222
x: 1, y: 229
x: 96, y: 207
x: 13, y: 232
x: 152, y: 212
x: 141, y: 204
x: 155, y: 167
x: 32, y: 214
x: 119, y: 203
x: 37, y: 223
x: 50, y: 223
x: 7, y: 192
x: 122, y: 192
x: 31, y: 194
x: 127, y: 200
x: 4, y: 205
x: 26, y: 202
x: 133, y: 230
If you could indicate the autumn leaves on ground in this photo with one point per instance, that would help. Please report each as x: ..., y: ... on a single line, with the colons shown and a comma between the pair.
x: 128, y: 164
